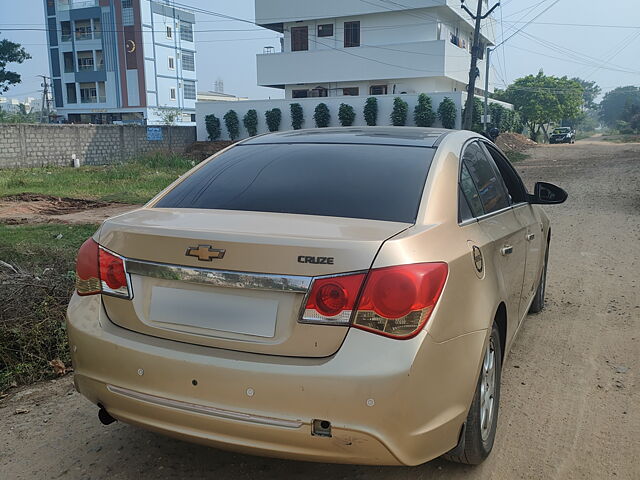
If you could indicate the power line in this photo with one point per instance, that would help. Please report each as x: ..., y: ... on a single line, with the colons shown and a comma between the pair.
x: 526, y: 24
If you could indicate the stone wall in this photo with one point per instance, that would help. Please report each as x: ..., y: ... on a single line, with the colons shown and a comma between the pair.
x: 34, y: 145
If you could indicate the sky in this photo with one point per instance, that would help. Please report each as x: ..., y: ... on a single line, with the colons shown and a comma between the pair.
x: 602, y: 44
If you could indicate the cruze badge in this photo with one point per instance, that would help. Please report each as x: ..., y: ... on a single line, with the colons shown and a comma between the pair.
x: 315, y: 260
x: 205, y: 253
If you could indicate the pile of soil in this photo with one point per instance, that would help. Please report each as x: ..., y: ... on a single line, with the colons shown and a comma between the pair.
x: 199, y: 151
x: 36, y: 208
x: 514, y: 142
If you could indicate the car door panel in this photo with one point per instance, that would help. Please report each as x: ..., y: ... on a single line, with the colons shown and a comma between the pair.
x: 534, y: 245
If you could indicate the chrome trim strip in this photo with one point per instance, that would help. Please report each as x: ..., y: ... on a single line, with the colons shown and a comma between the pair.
x: 203, y: 409
x: 220, y: 278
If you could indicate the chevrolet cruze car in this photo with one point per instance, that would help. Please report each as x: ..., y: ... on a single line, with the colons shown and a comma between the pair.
x: 341, y: 295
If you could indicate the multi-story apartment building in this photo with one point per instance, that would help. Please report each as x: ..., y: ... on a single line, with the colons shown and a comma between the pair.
x: 121, y: 60
x: 373, y: 47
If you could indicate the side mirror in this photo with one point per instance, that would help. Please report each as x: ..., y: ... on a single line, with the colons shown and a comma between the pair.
x: 547, y: 193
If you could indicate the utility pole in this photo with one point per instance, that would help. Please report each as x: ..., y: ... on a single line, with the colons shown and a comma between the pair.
x: 467, y: 119
x: 486, y: 89
x: 45, y: 108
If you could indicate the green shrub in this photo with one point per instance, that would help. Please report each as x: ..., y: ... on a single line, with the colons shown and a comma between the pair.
x: 250, y: 121
x: 399, y: 112
x: 321, y: 115
x: 423, y: 114
x: 232, y: 123
x: 297, y: 116
x: 371, y: 111
x: 346, y: 114
x: 212, y: 123
x: 273, y: 118
x: 476, y: 117
x: 447, y: 113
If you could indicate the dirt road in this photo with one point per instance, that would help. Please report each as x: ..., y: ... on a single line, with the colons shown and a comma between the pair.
x: 570, y: 400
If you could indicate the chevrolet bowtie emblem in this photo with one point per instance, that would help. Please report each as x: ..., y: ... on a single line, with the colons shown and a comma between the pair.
x: 205, y: 253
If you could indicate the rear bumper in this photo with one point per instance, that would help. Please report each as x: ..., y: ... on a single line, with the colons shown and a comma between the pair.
x: 389, y: 402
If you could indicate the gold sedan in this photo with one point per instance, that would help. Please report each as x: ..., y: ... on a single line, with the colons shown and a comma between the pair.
x: 342, y: 295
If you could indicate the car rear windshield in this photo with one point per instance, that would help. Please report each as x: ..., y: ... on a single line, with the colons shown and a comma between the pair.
x: 377, y: 182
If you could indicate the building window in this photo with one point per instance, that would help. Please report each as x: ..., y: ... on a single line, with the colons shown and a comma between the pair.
x: 97, y: 28
x: 188, y: 61
x: 186, y: 31
x: 127, y: 13
x: 300, y: 93
x: 189, y: 90
x: 169, y: 32
x: 88, y: 93
x: 102, y: 93
x: 99, y: 60
x: 325, y: 30
x: 378, y: 90
x: 83, y: 29
x: 65, y: 31
x: 71, y: 93
x: 355, y: 91
x: 299, y: 38
x: 193, y: 117
x: 172, y: 93
x: 68, y: 62
x: 85, y: 60
x: 172, y: 63
x: 319, y: 92
x: 351, y: 34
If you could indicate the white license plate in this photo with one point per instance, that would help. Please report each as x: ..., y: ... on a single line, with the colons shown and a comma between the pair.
x: 214, y: 311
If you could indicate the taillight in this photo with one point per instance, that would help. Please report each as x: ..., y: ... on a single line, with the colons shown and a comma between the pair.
x: 332, y: 299
x: 394, y: 301
x: 88, y: 269
x: 100, y: 271
x: 397, y: 301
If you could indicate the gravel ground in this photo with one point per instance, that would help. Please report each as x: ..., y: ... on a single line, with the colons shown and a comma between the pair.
x: 570, y: 399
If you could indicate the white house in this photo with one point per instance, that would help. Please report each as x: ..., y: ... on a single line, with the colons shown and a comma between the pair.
x: 374, y: 47
x: 344, y: 51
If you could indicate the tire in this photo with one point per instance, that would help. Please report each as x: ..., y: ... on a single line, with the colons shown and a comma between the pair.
x: 538, y: 301
x: 479, y: 431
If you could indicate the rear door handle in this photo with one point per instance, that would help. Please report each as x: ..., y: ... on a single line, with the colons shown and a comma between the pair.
x: 531, y: 236
x: 506, y: 250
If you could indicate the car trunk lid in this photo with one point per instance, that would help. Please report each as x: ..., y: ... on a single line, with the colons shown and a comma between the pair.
x: 235, y: 279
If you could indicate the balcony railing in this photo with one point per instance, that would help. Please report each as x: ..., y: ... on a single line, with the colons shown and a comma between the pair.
x: 73, y: 4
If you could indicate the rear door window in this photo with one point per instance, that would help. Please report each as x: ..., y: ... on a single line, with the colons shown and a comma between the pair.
x: 377, y: 182
x: 470, y: 204
x: 489, y: 184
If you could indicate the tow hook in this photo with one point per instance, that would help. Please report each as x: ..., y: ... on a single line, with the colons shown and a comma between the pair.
x: 104, y: 416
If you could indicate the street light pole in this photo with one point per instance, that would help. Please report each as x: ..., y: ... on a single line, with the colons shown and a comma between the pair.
x: 486, y: 89
x: 467, y: 118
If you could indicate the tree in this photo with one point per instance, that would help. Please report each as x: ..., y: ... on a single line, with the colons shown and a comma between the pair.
x: 168, y: 115
x: 617, y: 104
x: 21, y: 116
x: 447, y: 113
x: 423, y: 114
x: 371, y: 111
x: 10, y: 52
x: 399, y: 112
x: 250, y: 122
x: 346, y: 115
x: 273, y: 117
x: 212, y: 124
x: 321, y: 115
x: 476, y: 116
x: 297, y: 116
x: 232, y: 123
x: 542, y: 99
x: 590, y: 91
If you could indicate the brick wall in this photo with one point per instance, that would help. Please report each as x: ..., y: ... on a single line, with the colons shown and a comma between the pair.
x: 34, y: 145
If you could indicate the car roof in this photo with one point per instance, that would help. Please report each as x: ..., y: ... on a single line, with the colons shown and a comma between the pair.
x: 401, y: 136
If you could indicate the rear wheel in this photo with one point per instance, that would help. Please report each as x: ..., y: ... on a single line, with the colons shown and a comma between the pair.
x: 480, y: 428
x: 538, y: 301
